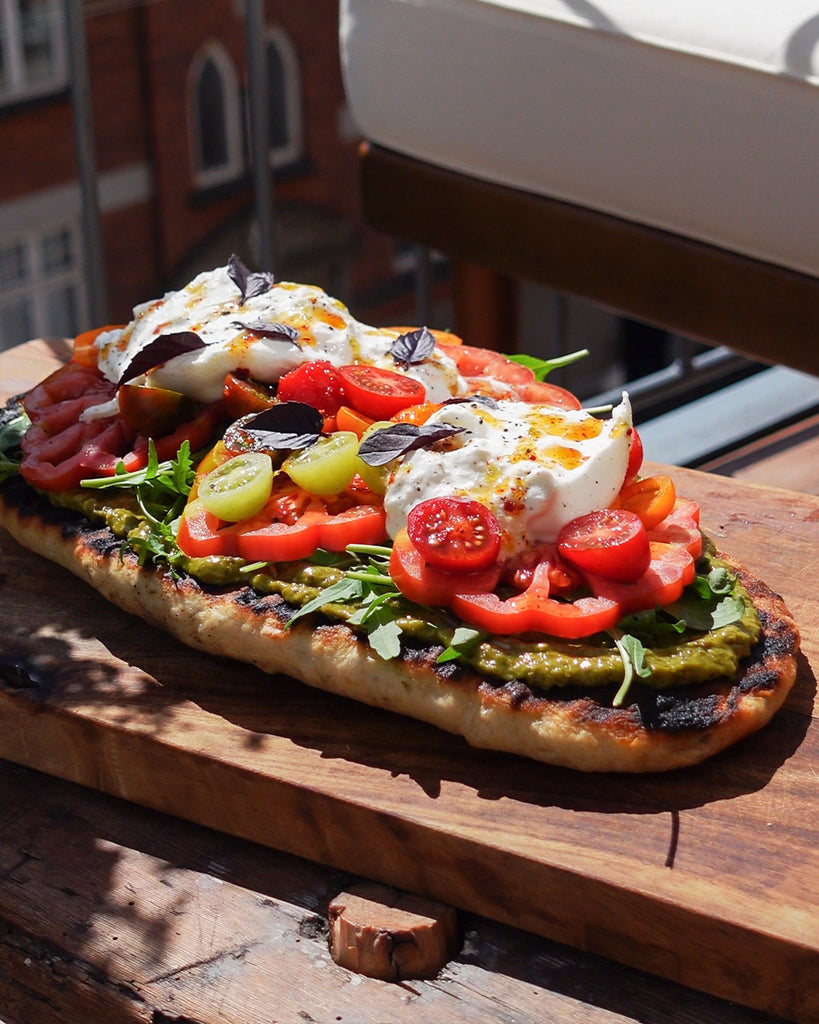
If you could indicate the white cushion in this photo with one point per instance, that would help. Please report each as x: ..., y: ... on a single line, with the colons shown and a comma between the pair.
x: 698, y: 117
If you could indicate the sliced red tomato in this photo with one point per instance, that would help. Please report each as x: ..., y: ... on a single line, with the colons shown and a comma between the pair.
x: 608, y: 542
x: 458, y: 535
x: 243, y: 397
x: 541, y: 391
x: 421, y: 583
x: 681, y: 527
x: 484, y: 362
x: 534, y: 610
x: 57, y: 401
x: 564, y: 578
x: 60, y: 462
x: 671, y: 570
x: 380, y: 393
x: 318, y: 383
x: 651, y: 497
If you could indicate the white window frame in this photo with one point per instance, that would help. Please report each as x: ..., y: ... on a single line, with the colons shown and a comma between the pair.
x: 294, y: 148
x: 17, y: 87
x: 38, y: 284
x: 209, y: 177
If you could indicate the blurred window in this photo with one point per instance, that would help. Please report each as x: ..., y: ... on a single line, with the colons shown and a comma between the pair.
x: 284, y: 98
x: 32, y: 49
x: 40, y: 285
x: 215, y: 118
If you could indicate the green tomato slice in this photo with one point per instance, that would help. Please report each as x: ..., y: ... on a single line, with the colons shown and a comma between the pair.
x: 375, y: 477
x: 326, y: 467
x: 238, y: 489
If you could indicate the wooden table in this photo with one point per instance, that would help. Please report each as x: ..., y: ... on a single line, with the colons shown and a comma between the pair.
x: 114, y: 908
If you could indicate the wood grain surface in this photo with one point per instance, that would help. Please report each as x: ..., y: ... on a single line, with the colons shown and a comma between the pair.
x: 708, y: 877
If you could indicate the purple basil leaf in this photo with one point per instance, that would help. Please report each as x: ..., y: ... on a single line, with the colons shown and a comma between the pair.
x: 413, y: 347
x: 248, y: 284
x: 487, y: 400
x: 279, y: 332
x: 284, y: 426
x: 382, y: 446
x: 159, y: 351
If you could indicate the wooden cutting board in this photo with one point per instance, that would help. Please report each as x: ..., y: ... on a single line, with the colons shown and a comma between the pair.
x: 708, y: 876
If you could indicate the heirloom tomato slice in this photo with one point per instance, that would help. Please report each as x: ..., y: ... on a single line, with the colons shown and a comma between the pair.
x: 243, y: 397
x: 60, y: 449
x: 681, y: 526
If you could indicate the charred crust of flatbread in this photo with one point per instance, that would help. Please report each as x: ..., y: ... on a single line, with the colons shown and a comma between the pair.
x: 572, y: 726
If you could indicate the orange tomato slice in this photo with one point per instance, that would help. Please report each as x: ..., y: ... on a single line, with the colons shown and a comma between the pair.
x: 652, y: 498
x: 350, y: 419
x: 417, y: 414
x: 84, y: 351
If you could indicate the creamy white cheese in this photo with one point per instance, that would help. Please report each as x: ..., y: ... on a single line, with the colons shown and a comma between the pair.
x: 211, y: 306
x: 535, y: 467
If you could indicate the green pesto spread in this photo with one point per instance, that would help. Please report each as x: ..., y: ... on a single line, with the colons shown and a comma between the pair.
x: 685, y: 658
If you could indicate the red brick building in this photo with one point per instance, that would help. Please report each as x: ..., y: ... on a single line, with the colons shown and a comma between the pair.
x: 168, y: 85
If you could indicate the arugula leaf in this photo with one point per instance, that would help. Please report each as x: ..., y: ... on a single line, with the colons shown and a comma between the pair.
x: 385, y: 639
x: 342, y: 591
x: 543, y: 367
x: 161, y: 490
x: 729, y: 610
x: 633, y: 654
x: 464, y: 640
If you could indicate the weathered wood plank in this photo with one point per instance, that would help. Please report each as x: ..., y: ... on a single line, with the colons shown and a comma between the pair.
x: 110, y: 912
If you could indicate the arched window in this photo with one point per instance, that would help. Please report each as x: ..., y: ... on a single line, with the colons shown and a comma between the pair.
x: 284, y: 98
x: 215, y: 118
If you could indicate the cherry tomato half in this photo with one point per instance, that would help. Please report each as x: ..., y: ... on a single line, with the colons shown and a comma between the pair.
x: 457, y: 535
x: 609, y: 542
x: 380, y: 393
x: 317, y: 383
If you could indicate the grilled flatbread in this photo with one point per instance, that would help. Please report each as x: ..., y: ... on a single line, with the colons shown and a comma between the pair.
x: 655, y: 730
